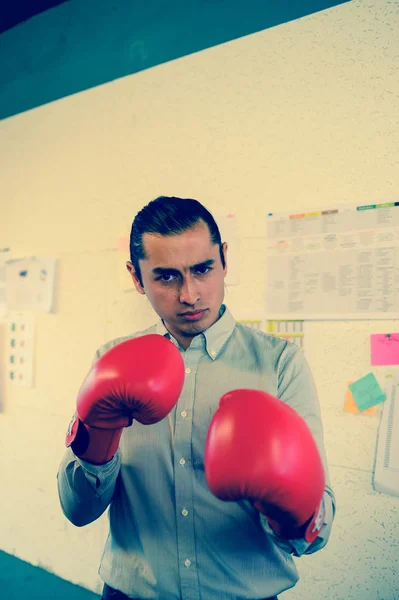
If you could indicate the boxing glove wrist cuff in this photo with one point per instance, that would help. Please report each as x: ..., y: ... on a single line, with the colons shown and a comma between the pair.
x: 92, y: 444
x: 316, y: 523
x: 290, y: 530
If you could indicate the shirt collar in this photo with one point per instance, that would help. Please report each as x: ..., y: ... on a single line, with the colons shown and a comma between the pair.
x: 215, y: 336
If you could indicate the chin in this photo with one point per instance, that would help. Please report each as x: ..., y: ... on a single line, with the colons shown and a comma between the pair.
x: 197, y: 327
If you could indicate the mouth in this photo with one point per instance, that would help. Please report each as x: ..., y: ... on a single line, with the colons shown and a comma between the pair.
x: 192, y: 315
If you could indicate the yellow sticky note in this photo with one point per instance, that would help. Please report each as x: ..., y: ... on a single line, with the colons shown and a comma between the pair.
x: 350, y: 405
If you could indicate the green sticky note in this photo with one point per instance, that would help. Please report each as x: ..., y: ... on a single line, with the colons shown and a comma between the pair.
x: 366, y: 392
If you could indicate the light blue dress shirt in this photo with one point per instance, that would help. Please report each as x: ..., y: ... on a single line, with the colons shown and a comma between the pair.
x: 170, y: 538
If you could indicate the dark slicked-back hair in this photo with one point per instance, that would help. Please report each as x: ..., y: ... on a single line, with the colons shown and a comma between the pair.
x: 168, y: 215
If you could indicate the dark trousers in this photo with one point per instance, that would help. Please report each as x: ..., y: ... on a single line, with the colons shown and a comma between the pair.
x: 110, y: 594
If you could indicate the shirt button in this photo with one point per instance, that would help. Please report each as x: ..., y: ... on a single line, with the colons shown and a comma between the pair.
x: 182, y: 461
x: 188, y: 371
x: 213, y: 352
x: 183, y: 413
x: 187, y: 562
x: 184, y: 512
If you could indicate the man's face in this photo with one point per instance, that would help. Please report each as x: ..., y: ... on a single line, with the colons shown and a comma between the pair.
x: 183, y: 278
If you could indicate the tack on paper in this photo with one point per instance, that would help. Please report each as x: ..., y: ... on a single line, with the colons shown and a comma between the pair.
x: 366, y: 392
x: 20, y: 348
x: 31, y: 284
x: 384, y: 348
x: 351, y: 407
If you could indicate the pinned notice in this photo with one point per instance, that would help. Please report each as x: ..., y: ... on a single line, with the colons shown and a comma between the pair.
x: 366, y: 392
x: 31, y: 284
x: 384, y: 348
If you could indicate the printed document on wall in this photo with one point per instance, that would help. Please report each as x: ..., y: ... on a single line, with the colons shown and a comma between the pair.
x: 21, y: 347
x: 31, y: 284
x: 386, y: 470
x: 340, y: 262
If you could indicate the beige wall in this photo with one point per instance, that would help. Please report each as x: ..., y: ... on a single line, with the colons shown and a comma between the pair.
x: 300, y: 115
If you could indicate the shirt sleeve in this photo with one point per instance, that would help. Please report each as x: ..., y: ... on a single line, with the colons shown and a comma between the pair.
x: 296, y: 387
x: 85, y: 490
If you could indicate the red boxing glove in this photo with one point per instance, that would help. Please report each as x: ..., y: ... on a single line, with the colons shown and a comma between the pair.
x: 261, y: 449
x: 140, y: 379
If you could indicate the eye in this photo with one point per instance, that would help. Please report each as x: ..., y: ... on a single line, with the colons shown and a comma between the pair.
x: 203, y: 269
x: 166, y: 277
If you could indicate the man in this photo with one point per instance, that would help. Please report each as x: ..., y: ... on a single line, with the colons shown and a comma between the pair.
x: 214, y: 472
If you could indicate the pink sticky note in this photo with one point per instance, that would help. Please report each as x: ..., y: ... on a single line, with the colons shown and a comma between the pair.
x: 384, y: 348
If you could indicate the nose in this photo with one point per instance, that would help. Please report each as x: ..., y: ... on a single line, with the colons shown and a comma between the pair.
x: 188, y: 293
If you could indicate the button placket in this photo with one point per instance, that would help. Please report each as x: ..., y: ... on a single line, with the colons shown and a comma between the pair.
x: 183, y: 475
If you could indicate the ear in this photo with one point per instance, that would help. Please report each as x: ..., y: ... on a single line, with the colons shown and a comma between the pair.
x: 224, y: 248
x: 135, y: 278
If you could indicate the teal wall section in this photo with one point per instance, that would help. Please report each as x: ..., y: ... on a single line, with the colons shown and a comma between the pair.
x: 20, y: 580
x: 78, y: 45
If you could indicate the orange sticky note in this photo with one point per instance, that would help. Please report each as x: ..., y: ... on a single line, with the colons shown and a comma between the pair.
x: 350, y: 405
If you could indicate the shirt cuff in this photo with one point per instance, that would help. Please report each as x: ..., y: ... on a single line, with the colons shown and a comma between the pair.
x: 101, y: 477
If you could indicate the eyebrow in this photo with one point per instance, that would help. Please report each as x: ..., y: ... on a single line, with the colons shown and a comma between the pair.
x: 163, y: 270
